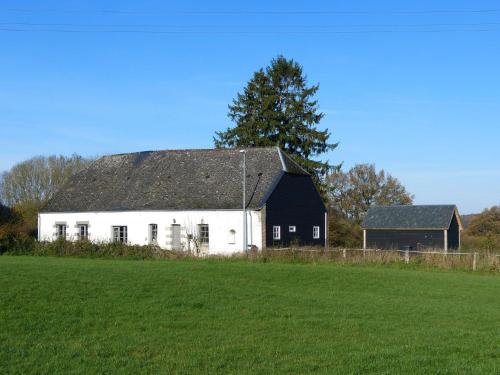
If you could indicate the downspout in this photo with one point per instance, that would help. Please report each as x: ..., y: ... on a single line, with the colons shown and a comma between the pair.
x: 250, y: 237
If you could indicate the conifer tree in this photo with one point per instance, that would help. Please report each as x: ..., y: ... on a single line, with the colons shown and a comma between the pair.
x: 278, y: 108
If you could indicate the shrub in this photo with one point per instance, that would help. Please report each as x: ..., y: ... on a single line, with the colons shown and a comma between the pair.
x: 486, y: 243
x: 15, y: 243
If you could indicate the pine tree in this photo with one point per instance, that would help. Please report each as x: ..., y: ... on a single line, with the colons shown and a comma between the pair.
x: 277, y: 108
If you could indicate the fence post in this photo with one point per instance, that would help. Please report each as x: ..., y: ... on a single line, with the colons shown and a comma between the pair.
x: 474, y: 261
x: 344, y: 253
x: 407, y: 256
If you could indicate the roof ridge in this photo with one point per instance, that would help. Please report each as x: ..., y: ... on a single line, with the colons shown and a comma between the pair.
x: 413, y: 205
x: 283, y: 154
x: 172, y: 150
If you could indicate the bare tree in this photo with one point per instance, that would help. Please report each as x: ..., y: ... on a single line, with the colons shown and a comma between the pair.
x: 34, y: 181
x: 353, y: 192
x: 193, y: 237
x: 31, y: 183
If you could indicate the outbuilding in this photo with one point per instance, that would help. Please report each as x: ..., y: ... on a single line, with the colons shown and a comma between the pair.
x: 412, y: 227
x: 190, y: 200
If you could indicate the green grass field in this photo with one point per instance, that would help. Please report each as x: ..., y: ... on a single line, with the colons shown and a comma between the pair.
x: 64, y: 315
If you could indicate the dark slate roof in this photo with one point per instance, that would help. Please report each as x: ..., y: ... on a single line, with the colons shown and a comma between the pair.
x: 409, y: 217
x: 174, y: 180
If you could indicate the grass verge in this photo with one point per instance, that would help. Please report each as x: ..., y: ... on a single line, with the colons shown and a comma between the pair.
x: 67, y: 315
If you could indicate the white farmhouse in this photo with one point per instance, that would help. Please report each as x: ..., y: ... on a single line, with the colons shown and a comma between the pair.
x: 188, y: 199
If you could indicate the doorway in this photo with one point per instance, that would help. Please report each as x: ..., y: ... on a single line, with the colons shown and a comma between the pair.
x: 176, y: 237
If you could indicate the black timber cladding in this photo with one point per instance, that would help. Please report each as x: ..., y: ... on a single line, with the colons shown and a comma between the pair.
x: 175, y: 180
x: 404, y: 239
x: 412, y: 227
x: 454, y: 233
x: 295, y: 202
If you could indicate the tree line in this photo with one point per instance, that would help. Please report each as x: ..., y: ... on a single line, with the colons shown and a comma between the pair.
x: 28, y: 186
x: 277, y: 107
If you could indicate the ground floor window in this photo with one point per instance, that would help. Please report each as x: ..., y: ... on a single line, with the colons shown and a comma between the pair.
x: 232, y: 236
x: 120, y: 234
x: 292, y: 228
x: 315, y: 232
x: 276, y: 232
x: 61, y: 230
x: 203, y: 233
x: 153, y: 233
x: 83, y: 232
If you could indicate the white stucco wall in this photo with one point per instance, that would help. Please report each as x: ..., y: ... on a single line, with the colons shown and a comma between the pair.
x: 100, y: 226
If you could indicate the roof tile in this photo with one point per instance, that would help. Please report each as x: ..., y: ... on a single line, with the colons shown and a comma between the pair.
x: 409, y: 217
x: 174, y: 180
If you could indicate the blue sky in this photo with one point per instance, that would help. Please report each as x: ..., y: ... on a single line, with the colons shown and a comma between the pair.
x: 411, y: 87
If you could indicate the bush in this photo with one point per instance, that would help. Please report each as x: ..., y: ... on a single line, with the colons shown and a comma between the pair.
x: 62, y: 247
x: 14, y: 243
x: 343, y: 232
x: 20, y: 244
x: 487, y: 243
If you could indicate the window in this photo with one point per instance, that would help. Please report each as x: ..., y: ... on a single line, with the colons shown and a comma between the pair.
x: 203, y: 233
x: 83, y: 232
x: 61, y: 231
x: 276, y: 232
x: 232, y: 236
x: 120, y: 234
x: 315, y: 232
x: 153, y: 233
x: 292, y: 228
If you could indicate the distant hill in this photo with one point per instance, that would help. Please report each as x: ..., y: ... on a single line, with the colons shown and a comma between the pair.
x: 466, y: 219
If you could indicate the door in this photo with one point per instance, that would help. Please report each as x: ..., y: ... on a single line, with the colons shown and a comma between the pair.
x: 176, y: 236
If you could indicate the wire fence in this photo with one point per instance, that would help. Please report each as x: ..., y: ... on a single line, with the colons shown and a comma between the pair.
x: 464, y: 260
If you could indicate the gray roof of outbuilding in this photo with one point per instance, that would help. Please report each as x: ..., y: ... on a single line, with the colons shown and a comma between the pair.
x: 174, y: 180
x: 409, y: 217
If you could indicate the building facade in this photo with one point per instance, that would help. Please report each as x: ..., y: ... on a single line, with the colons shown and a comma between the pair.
x: 190, y: 200
x: 412, y: 227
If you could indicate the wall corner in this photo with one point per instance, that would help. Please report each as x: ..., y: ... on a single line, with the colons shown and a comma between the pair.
x: 263, y: 226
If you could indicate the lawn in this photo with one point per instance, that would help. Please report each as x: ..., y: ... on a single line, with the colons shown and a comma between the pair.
x: 66, y: 315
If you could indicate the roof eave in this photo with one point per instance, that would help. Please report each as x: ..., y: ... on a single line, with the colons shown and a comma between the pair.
x: 435, y: 228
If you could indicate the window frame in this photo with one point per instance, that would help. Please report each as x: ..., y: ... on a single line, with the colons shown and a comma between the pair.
x: 276, y: 232
x: 122, y: 233
x: 153, y: 234
x: 292, y: 228
x: 204, y: 234
x: 232, y: 237
x: 61, y: 230
x: 85, y: 237
x: 316, y: 232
